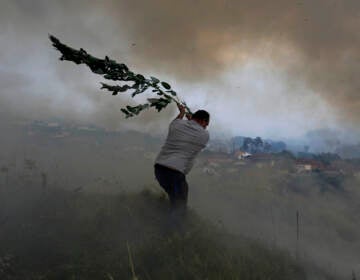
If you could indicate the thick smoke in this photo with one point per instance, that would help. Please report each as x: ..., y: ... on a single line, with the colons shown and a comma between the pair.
x: 310, y: 49
x: 314, y: 41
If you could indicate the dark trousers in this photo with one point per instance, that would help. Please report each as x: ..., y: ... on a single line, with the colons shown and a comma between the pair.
x: 175, y: 185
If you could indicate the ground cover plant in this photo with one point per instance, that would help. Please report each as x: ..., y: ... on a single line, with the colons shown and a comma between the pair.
x: 62, y: 204
x: 66, y: 235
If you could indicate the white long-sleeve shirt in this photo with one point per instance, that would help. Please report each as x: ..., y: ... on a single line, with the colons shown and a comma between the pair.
x: 185, y: 139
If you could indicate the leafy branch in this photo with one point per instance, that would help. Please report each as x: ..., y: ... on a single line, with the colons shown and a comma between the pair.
x: 133, y: 83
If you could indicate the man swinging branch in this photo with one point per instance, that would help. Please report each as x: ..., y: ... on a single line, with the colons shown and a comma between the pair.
x: 185, y: 139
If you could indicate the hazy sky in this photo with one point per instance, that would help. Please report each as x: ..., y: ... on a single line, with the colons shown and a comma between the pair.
x: 270, y: 68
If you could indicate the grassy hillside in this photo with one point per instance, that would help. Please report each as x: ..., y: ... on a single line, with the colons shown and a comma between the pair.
x: 257, y: 202
x: 69, y: 235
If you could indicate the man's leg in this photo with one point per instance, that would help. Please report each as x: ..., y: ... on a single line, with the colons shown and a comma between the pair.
x: 178, y: 202
x: 165, y: 178
x: 175, y: 185
x: 179, y: 194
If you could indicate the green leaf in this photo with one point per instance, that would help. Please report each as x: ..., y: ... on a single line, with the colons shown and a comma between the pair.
x: 124, y: 88
x: 153, y: 100
x: 111, y: 70
x: 155, y: 80
x: 110, y: 77
x: 98, y: 71
x: 140, y: 77
x: 127, y: 114
x: 136, y: 92
x: 129, y: 108
x: 165, y: 85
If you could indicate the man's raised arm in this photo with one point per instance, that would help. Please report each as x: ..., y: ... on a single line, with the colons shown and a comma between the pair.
x: 182, y: 112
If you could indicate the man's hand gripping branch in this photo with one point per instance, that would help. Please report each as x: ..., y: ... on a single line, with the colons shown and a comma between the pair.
x: 182, y: 112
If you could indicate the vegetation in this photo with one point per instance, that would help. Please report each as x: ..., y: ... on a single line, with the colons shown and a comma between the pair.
x: 68, y: 208
x: 135, y: 83
x: 67, y: 235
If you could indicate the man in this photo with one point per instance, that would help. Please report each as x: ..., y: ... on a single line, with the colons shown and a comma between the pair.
x: 185, y: 139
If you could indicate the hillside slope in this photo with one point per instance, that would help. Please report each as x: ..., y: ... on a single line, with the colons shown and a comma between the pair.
x: 71, y: 235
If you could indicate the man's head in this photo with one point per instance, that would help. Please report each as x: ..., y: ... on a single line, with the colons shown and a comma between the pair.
x: 201, y: 117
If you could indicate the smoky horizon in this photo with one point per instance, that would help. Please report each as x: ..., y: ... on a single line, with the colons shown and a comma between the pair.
x: 278, y: 69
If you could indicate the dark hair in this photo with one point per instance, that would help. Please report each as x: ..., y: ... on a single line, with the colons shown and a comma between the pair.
x: 201, y: 115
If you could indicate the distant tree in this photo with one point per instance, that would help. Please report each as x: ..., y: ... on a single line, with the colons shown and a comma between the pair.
x: 327, y: 158
x: 278, y: 146
x: 267, y: 147
x: 247, y: 144
x: 259, y: 144
x: 306, y: 155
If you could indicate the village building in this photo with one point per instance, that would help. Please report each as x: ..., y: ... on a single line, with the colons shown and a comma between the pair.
x: 239, y: 154
x: 262, y: 159
x: 308, y: 165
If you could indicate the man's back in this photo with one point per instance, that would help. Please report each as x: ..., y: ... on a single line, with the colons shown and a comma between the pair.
x: 186, y: 138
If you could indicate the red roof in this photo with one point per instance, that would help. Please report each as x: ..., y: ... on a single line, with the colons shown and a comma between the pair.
x: 314, y: 163
x: 261, y: 156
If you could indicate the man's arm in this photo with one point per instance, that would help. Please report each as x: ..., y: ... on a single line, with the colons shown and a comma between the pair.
x: 181, y: 111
